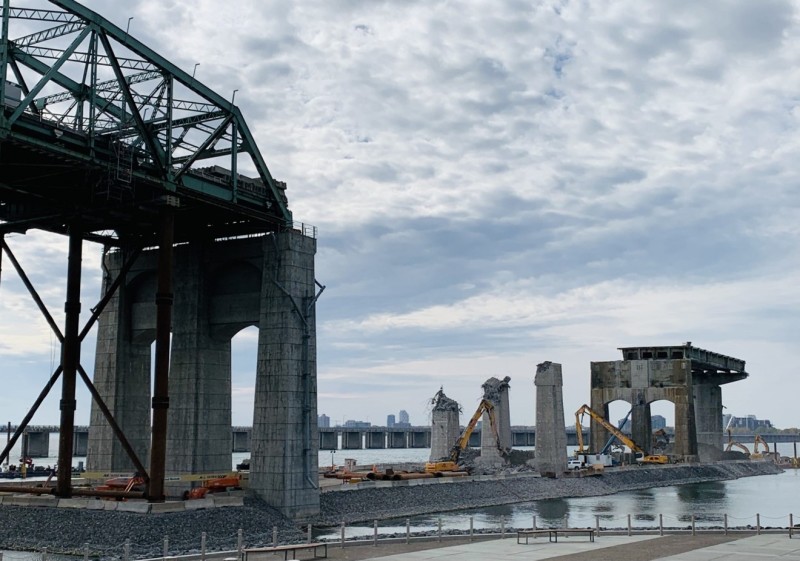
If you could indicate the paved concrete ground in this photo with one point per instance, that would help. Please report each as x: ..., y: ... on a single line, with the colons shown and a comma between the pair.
x: 704, y: 547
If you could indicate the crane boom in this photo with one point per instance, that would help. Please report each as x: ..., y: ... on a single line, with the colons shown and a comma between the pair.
x: 642, y: 457
x: 485, y: 406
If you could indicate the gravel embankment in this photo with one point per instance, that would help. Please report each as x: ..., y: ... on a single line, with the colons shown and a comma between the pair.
x: 67, y: 530
x: 380, y: 503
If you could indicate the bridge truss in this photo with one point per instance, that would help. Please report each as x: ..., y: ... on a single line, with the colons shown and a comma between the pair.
x: 97, y: 125
x: 103, y: 139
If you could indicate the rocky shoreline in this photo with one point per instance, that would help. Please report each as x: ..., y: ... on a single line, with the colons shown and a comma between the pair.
x: 68, y: 530
x: 369, y: 504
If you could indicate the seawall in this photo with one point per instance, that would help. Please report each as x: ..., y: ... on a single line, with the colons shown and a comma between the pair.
x: 378, y: 501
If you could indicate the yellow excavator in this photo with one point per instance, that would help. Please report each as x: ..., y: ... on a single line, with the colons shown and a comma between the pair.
x: 485, y: 406
x: 621, y: 436
x: 733, y: 444
x: 756, y: 455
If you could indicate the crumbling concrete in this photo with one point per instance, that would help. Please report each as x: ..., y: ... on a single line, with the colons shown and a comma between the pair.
x: 551, y: 439
x: 445, y: 429
x: 685, y: 375
x: 494, y: 449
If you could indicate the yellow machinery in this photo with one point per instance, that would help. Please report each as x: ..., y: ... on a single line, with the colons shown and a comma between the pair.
x: 756, y: 455
x: 621, y: 436
x: 484, y: 406
x: 733, y: 444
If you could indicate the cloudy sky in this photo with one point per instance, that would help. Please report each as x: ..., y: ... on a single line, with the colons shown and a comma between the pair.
x: 496, y: 184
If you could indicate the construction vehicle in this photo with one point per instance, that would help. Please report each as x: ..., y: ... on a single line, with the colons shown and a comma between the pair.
x: 756, y: 455
x: 642, y: 458
x: 451, y: 464
x: 733, y: 444
x: 217, y: 485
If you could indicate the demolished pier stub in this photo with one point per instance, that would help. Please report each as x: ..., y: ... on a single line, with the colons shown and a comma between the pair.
x: 445, y: 429
x: 494, y: 449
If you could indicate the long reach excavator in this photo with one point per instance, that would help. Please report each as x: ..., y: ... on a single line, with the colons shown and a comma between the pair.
x: 451, y: 464
x: 642, y: 457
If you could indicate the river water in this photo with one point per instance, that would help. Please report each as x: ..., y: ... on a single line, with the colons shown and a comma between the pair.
x: 773, y: 497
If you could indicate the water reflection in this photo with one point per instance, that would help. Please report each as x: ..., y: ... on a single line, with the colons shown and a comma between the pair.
x: 552, y: 511
x: 773, y: 496
x: 713, y: 492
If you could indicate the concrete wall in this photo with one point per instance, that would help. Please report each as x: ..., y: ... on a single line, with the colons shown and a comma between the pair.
x: 551, y: 439
x: 639, y: 383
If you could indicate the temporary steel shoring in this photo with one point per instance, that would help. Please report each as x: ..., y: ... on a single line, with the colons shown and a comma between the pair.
x: 64, y: 485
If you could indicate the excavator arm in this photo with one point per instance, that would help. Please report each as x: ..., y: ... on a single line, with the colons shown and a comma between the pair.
x: 621, y: 436
x: 759, y: 441
x: 485, y: 406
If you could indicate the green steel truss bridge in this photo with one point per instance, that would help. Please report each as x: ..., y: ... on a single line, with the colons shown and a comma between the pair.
x: 98, y: 128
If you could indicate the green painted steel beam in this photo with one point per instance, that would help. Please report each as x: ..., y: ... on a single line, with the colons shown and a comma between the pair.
x: 189, y: 82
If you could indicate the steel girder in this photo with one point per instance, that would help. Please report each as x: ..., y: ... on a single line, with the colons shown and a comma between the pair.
x: 86, y: 76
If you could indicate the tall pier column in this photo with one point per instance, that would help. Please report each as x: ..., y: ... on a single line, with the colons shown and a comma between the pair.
x: 496, y: 392
x: 551, y: 438
x: 445, y: 429
x: 199, y: 438
x: 122, y: 370
x: 641, y: 425
x: 708, y: 416
x: 685, y: 426
x: 598, y: 434
x: 284, y: 447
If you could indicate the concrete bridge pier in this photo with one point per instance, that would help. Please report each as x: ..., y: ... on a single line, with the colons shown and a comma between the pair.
x: 328, y: 440
x: 241, y: 440
x: 38, y: 443
x: 80, y: 443
x: 125, y: 331
x: 397, y: 439
x: 708, y: 415
x: 551, y: 440
x: 285, y: 434
x: 641, y: 423
x: 419, y: 439
x: 352, y: 440
x: 220, y: 289
x: 375, y: 440
x: 199, y: 427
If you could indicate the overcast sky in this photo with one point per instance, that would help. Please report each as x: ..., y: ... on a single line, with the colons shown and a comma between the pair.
x: 497, y: 184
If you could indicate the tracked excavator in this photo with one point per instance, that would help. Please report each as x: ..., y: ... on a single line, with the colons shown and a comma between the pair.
x: 451, y: 464
x: 734, y: 444
x: 642, y: 458
x: 759, y: 441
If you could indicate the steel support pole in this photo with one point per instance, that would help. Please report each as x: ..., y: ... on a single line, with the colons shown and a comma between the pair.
x: 70, y: 358
x: 158, y: 445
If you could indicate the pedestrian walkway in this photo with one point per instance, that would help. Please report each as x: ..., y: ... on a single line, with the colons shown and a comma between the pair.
x: 763, y: 548
x: 537, y: 549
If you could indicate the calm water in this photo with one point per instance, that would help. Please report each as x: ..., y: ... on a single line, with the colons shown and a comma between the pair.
x: 774, y: 497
